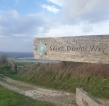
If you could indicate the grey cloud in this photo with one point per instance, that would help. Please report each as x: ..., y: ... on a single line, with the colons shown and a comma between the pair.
x: 12, y: 24
x: 91, y: 10
x: 16, y: 45
x: 17, y: 31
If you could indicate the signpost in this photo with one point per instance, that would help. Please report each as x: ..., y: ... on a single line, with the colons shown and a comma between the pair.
x: 91, y: 49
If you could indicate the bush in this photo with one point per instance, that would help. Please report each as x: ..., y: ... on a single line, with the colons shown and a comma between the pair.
x: 3, y: 60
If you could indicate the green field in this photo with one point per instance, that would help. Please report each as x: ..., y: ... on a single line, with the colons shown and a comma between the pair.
x: 9, y: 98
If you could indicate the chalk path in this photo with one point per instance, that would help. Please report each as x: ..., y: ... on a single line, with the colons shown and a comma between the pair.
x: 58, y: 98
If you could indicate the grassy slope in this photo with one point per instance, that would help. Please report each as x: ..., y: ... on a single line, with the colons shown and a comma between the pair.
x: 9, y: 98
x: 96, y: 86
x: 92, y: 77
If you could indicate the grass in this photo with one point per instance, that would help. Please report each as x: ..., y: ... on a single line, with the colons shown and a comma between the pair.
x: 96, y: 86
x: 66, y: 77
x: 9, y: 98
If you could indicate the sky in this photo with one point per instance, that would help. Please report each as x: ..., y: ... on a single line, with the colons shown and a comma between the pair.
x: 23, y: 20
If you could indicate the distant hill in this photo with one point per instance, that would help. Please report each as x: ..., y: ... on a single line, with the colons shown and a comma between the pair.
x: 17, y: 54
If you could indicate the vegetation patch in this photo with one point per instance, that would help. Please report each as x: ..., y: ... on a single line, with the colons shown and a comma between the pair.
x: 93, y: 78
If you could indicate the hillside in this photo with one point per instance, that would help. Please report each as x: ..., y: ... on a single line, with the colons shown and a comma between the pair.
x: 94, y: 78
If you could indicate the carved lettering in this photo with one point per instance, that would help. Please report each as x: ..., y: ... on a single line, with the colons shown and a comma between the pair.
x: 86, y: 48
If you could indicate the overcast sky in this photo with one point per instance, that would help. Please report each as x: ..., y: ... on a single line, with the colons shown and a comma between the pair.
x: 23, y: 20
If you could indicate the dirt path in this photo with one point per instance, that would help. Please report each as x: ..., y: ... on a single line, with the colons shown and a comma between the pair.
x: 59, y: 98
